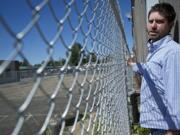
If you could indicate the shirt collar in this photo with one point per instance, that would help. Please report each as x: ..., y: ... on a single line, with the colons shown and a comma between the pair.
x: 152, y: 46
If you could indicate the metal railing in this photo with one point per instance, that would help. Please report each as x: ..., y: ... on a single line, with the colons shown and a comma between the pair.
x: 84, y: 91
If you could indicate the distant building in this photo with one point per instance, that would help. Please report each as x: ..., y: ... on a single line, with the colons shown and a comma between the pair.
x: 11, y: 72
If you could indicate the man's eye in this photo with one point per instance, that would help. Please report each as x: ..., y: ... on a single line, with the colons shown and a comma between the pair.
x: 159, y: 21
x: 150, y: 21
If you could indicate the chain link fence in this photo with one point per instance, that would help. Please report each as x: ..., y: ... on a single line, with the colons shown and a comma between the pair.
x: 62, y: 68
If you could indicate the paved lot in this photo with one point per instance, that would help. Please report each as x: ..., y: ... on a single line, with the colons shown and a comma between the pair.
x: 12, y: 95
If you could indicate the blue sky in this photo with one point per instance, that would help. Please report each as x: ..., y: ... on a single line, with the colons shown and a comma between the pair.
x: 125, y: 6
x: 17, y: 14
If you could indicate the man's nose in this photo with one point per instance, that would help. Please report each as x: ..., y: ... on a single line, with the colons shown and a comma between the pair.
x: 154, y: 25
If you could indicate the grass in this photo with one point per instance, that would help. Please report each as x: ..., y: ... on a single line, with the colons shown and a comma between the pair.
x: 136, y: 129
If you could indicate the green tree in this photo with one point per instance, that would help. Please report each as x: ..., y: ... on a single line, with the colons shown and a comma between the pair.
x: 61, y: 62
x: 50, y: 63
x: 93, y: 58
x: 76, y: 54
x: 23, y: 63
x: 37, y: 65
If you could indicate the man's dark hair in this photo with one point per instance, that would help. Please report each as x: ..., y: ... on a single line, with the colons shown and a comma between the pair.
x: 164, y: 9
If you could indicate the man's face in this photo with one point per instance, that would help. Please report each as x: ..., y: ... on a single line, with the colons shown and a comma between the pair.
x: 157, y: 26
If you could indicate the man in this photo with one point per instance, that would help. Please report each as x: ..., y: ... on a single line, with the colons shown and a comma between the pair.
x: 160, y: 89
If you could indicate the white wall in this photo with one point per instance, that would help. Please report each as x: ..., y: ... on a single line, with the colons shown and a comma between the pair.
x: 149, y: 4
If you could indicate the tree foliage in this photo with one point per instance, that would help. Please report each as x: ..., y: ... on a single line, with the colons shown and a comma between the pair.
x: 75, y: 54
x: 52, y: 63
x: 23, y: 63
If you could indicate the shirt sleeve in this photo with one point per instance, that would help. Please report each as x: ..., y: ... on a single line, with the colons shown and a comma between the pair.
x: 139, y: 68
x: 172, y: 84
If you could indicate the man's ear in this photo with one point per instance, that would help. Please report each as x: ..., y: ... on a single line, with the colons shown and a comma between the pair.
x: 171, y: 24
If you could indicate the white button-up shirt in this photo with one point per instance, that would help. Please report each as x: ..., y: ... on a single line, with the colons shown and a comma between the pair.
x: 160, y: 89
